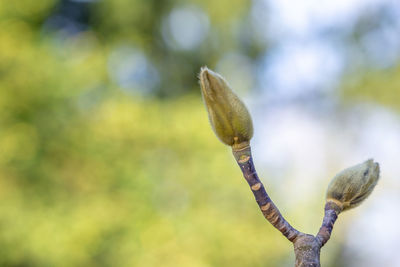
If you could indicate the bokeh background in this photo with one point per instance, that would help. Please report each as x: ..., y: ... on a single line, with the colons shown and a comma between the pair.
x: 107, y: 158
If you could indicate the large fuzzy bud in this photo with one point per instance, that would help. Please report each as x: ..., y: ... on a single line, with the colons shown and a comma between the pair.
x: 353, y: 185
x: 228, y: 115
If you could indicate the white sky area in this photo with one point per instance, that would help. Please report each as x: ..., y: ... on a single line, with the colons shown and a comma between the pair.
x: 304, y: 18
x: 302, y: 147
x: 185, y: 28
x: 297, y: 68
x: 132, y: 71
x: 298, y: 151
x: 305, y: 60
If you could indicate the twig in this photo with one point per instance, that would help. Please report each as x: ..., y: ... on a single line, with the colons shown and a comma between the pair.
x: 332, y: 211
x: 306, y: 247
x: 267, y: 207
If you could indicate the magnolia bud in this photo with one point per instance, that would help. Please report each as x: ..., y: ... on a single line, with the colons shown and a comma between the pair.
x: 228, y: 115
x: 352, y: 185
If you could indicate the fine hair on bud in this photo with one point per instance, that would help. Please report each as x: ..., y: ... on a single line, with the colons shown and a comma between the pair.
x: 228, y: 115
x: 353, y: 185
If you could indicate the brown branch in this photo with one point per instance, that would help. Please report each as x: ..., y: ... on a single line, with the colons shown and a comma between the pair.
x: 267, y: 207
x: 307, y: 251
x: 332, y: 211
x: 306, y: 247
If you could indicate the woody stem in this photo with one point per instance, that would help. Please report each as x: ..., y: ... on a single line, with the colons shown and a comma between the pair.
x: 267, y: 207
x: 332, y: 211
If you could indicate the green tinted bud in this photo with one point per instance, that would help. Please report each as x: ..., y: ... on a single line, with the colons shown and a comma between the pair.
x: 228, y: 115
x: 352, y: 185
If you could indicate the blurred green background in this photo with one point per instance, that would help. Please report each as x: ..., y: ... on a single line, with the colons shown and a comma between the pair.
x: 106, y: 155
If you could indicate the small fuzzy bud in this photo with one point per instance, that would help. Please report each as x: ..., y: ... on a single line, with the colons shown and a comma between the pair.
x: 228, y: 115
x: 353, y: 185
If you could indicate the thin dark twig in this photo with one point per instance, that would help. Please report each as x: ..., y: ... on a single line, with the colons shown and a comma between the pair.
x: 332, y: 211
x: 267, y: 207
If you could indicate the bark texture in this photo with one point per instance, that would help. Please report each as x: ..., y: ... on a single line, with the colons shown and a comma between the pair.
x: 267, y: 207
x: 332, y: 211
x: 306, y: 247
x: 307, y: 250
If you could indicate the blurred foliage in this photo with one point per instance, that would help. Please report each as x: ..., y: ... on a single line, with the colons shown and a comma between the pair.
x: 94, y: 174
x: 380, y: 86
x: 91, y: 175
x: 124, y: 185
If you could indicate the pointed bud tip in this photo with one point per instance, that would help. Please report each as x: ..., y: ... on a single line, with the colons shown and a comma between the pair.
x: 211, y: 81
x: 206, y: 71
x: 203, y: 69
x: 203, y: 73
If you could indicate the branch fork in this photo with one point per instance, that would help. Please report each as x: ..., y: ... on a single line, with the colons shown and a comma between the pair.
x: 232, y: 124
x: 307, y: 247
